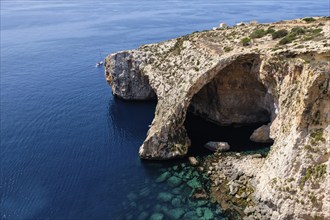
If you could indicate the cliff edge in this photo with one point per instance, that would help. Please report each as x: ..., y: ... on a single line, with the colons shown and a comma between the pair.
x: 276, y: 74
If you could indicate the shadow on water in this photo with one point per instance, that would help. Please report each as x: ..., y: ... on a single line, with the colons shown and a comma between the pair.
x: 129, y: 120
x: 200, y: 131
x: 131, y: 115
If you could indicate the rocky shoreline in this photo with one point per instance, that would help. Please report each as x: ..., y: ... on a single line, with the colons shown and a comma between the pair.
x: 276, y: 74
x: 232, y: 186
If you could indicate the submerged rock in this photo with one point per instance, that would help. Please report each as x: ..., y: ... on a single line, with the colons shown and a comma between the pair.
x: 144, y: 192
x: 217, y: 146
x: 164, y: 196
x: 199, y: 194
x: 132, y: 196
x: 202, y: 203
x: 194, y: 183
x: 176, y: 191
x: 176, y: 202
x: 208, y: 214
x: 175, y: 213
x: 191, y: 215
x: 163, y: 177
x: 157, y: 216
x: 143, y: 216
x: 174, y: 181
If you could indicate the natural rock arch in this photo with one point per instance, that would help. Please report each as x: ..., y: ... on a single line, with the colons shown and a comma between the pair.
x: 235, y: 96
x: 167, y: 137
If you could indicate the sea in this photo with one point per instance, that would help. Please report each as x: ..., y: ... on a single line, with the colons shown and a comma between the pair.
x: 69, y: 149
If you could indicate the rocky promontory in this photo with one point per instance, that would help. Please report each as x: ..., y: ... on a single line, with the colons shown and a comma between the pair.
x: 277, y: 74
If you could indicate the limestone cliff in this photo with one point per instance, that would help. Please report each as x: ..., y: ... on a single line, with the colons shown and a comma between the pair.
x: 272, y: 73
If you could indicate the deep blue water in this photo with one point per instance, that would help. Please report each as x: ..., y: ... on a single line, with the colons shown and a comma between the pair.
x: 68, y: 148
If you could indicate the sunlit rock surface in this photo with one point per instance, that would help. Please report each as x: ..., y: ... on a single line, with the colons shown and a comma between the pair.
x: 230, y: 80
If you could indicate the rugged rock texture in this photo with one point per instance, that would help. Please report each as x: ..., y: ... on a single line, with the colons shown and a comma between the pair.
x: 235, y: 96
x: 126, y: 80
x: 229, y: 78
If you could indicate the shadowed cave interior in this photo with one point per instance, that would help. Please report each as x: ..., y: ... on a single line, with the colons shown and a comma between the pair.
x: 200, y: 131
x: 229, y: 109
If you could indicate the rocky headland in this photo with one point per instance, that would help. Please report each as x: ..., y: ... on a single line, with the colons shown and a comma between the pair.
x: 277, y: 74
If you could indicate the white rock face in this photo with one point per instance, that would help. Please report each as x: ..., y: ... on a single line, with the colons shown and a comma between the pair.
x: 290, y: 83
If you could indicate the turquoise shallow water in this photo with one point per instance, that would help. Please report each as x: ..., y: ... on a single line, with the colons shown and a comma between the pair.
x: 68, y: 148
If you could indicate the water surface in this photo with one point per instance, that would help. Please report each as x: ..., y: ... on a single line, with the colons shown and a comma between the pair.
x: 68, y: 148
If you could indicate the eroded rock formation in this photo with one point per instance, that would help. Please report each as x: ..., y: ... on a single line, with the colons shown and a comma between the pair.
x: 126, y: 79
x: 231, y: 80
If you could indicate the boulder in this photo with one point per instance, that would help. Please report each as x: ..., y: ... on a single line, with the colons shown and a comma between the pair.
x: 193, y: 161
x: 261, y: 135
x: 217, y: 146
x: 222, y: 25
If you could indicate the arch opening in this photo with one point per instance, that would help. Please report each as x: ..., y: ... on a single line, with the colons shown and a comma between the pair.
x: 230, y: 108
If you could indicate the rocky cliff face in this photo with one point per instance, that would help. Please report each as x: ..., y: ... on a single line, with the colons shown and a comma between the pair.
x: 126, y: 79
x: 276, y: 73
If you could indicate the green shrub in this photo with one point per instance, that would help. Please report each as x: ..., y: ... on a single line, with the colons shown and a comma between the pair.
x: 270, y: 31
x: 280, y: 33
x: 288, y: 39
x: 258, y: 33
x: 317, y: 135
x: 308, y: 147
x: 309, y: 20
x: 315, y: 172
x: 246, y: 41
x: 227, y: 49
x: 308, y: 38
x: 315, y: 31
x: 292, y: 36
x: 298, y: 30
